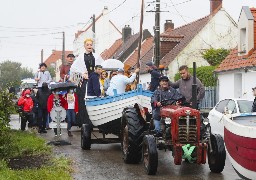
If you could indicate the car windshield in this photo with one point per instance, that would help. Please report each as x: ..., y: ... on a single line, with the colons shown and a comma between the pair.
x: 245, y: 106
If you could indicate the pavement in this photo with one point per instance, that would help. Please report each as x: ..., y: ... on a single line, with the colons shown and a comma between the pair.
x: 104, y: 161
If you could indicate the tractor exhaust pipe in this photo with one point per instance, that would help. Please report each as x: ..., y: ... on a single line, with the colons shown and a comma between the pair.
x: 194, y: 88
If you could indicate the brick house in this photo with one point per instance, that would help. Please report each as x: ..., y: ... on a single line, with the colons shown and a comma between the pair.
x: 236, y: 74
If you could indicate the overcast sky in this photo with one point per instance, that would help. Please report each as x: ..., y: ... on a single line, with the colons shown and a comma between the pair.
x: 27, y: 26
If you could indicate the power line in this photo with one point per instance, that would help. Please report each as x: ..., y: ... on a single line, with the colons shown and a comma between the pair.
x: 30, y: 35
x: 116, y: 7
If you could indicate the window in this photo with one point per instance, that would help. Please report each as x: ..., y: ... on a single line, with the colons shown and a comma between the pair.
x: 245, y: 106
x: 232, y: 106
x: 221, y: 105
x: 243, y: 40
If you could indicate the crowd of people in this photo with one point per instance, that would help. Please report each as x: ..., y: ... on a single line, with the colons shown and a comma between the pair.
x: 38, y: 103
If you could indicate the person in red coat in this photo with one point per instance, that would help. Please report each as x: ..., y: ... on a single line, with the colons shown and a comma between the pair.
x: 27, y: 103
x: 72, y: 109
x: 55, y: 100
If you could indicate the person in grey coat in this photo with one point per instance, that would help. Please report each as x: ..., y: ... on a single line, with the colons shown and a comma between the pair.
x: 43, y: 75
x: 185, y: 85
x: 164, y: 95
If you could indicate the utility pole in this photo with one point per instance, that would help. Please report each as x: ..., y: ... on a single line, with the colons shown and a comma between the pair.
x: 93, y: 30
x: 63, y: 48
x: 157, y: 34
x: 42, y: 56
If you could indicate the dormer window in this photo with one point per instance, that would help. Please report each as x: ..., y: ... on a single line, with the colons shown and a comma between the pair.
x: 246, y: 31
x: 243, y: 40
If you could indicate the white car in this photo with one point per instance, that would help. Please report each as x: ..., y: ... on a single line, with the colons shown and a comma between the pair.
x: 235, y: 108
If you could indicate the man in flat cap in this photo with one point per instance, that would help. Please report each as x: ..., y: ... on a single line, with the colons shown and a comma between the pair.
x: 164, y: 95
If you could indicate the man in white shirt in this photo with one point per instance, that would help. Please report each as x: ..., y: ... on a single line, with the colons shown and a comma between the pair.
x: 120, y: 81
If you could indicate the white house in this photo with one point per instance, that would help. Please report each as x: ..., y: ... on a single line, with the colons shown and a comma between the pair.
x: 184, y: 45
x: 237, y: 73
x: 105, y: 34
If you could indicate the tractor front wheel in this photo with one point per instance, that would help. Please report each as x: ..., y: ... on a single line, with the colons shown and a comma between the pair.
x: 131, y: 136
x: 150, y: 155
x: 217, y: 157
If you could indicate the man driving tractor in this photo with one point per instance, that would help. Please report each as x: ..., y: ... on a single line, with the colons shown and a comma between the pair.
x: 164, y: 95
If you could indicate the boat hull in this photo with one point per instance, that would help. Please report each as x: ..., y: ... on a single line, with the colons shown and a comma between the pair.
x: 240, y: 142
x: 104, y: 110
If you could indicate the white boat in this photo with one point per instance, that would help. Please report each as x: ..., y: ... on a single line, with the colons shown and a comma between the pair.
x: 240, y: 142
x: 106, y: 109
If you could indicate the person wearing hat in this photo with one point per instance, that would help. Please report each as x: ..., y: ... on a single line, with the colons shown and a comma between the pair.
x: 154, y: 83
x: 164, y: 95
x: 42, y: 75
x: 254, y: 102
x: 119, y: 82
x: 64, y: 69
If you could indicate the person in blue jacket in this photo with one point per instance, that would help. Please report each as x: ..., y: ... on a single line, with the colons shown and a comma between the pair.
x: 94, y: 82
x: 155, y: 75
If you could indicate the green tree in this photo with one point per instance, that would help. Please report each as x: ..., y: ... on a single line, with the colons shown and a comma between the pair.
x: 10, y: 72
x: 26, y: 73
x: 52, y: 71
x: 215, y: 56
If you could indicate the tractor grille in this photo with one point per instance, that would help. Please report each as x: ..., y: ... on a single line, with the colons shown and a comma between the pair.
x: 187, y: 133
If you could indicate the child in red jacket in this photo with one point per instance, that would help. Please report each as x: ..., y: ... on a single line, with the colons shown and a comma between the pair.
x: 27, y: 103
x: 72, y: 109
x: 55, y: 100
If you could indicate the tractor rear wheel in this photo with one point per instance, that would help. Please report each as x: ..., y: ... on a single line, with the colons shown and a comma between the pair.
x: 86, y: 137
x: 150, y: 155
x: 131, y: 136
x: 216, y: 158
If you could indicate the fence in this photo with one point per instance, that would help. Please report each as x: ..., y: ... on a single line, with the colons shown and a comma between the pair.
x: 210, y: 98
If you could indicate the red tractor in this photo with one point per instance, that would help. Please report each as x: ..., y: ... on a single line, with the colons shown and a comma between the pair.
x: 182, y: 127
x: 186, y: 132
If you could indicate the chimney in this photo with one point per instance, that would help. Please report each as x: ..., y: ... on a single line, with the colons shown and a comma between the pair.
x: 215, y: 5
x: 105, y: 10
x: 168, y: 24
x: 126, y: 32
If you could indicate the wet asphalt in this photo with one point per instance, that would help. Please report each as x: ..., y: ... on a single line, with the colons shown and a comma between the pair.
x: 104, y: 161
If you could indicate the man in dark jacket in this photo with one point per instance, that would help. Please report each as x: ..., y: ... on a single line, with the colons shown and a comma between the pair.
x: 94, y: 82
x: 185, y: 85
x: 254, y: 102
x: 155, y: 75
x: 164, y: 95
x: 42, y: 97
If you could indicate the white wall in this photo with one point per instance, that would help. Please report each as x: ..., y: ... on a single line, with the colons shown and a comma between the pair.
x: 220, y: 32
x: 106, y: 34
x: 228, y: 84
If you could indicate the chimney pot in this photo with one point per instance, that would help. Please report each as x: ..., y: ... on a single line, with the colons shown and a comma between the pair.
x: 215, y: 5
x: 168, y: 25
x: 126, y: 32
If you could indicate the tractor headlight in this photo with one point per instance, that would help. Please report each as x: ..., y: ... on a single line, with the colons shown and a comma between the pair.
x: 167, y: 120
x: 206, y: 121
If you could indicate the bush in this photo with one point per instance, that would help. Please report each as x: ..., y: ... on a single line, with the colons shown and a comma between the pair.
x: 204, y: 73
x: 215, y: 56
x: 6, y: 108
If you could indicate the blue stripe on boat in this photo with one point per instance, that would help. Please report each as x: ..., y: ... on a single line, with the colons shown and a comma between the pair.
x: 105, y: 100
